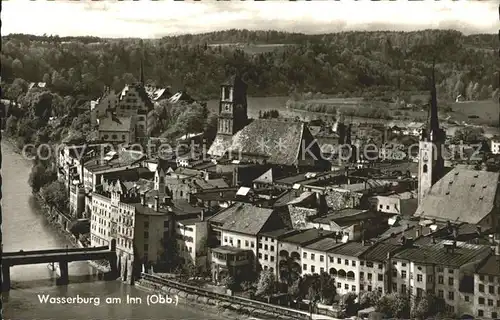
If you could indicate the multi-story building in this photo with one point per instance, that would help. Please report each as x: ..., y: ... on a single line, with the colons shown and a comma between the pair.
x: 77, y: 200
x: 133, y: 101
x: 344, y: 264
x: 375, y: 268
x: 290, y: 253
x: 442, y: 268
x: 240, y: 224
x: 404, y: 203
x: 486, y: 298
x: 314, y: 257
x: 104, y: 105
x: 268, y: 248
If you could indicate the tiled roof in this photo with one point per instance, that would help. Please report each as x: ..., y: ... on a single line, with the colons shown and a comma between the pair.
x: 438, y: 254
x: 243, y: 218
x: 324, y: 244
x: 461, y: 196
x: 116, y: 124
x: 307, y: 236
x: 379, y: 251
x: 278, y: 141
x: 350, y: 249
x: 490, y: 266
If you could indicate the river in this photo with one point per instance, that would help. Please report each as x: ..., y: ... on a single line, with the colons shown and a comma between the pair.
x: 24, y: 228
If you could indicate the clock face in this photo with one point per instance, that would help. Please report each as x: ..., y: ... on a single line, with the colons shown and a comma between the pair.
x: 425, y: 157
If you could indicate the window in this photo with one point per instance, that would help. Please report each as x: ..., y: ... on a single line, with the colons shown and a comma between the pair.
x: 123, y: 137
x: 321, y: 258
x: 369, y: 288
x: 239, y: 243
x: 466, y: 298
x: 331, y: 259
x: 425, y: 168
x: 339, y: 261
x: 419, y: 277
x: 450, y: 281
x: 441, y: 293
x: 246, y: 243
x: 312, y: 256
x: 146, y: 234
x: 430, y: 278
x: 394, y: 273
x: 346, y: 286
x: 260, y: 255
x: 252, y: 244
x: 440, y: 269
x: 440, y: 279
x: 353, y: 288
x: 394, y: 287
x: 369, y: 264
x: 494, y: 315
x: 225, y: 239
x: 165, y: 224
x: 481, y: 287
x: 304, y: 267
x: 403, y: 274
x: 361, y: 263
x: 380, y: 277
x: 353, y: 263
x: 272, y: 259
x: 403, y: 288
x: 451, y: 270
x: 265, y: 247
x: 451, y: 295
x: 490, y: 302
x: 480, y: 300
x: 361, y: 275
x: 266, y: 257
x: 339, y: 285
x: 304, y: 255
x: 403, y: 264
x: 491, y: 289
x: 480, y: 313
x: 481, y: 278
x: 380, y: 266
x: 260, y: 245
x: 369, y: 276
x: 346, y: 262
x: 114, y: 136
x: 272, y: 248
x: 321, y: 270
x: 313, y: 269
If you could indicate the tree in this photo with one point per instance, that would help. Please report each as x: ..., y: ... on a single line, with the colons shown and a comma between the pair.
x: 369, y: 298
x: 469, y: 135
x: 229, y: 283
x: 294, y: 290
x: 55, y: 194
x: 266, y: 283
x: 347, y: 302
x: 40, y: 177
x: 327, y: 288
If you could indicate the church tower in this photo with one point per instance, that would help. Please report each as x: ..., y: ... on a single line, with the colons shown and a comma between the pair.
x: 232, y: 106
x: 430, y: 162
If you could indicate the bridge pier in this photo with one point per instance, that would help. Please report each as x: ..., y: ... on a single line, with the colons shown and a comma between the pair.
x: 64, y: 278
x: 5, y: 277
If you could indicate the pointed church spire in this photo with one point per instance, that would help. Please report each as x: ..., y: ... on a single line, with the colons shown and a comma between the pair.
x: 434, y: 120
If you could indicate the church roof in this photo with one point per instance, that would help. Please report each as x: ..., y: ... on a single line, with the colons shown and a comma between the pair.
x: 279, y: 141
x: 462, y: 195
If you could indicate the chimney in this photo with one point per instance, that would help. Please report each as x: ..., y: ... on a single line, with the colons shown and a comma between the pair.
x: 202, y: 215
x: 418, y: 232
x: 157, y: 204
x: 143, y: 199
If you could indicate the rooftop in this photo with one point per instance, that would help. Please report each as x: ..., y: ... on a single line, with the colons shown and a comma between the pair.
x: 277, y: 233
x: 349, y: 249
x: 461, y: 196
x: 379, y: 251
x: 228, y: 249
x: 121, y: 124
x: 243, y: 218
x: 325, y: 244
x: 281, y: 145
x: 490, y: 266
x: 439, y: 254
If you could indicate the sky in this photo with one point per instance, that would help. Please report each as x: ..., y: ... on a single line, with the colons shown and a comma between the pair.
x: 155, y: 19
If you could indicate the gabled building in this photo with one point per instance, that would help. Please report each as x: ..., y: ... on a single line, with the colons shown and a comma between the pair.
x: 464, y: 195
x: 117, y: 130
x: 487, y: 288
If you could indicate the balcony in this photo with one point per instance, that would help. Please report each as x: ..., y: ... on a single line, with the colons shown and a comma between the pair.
x: 229, y: 256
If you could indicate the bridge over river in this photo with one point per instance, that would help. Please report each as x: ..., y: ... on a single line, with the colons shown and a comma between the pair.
x: 60, y: 256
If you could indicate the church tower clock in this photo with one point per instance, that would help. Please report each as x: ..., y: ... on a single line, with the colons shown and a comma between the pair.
x: 431, y: 162
x: 232, y: 106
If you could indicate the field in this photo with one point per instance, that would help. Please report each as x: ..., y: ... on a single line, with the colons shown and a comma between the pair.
x: 486, y: 112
